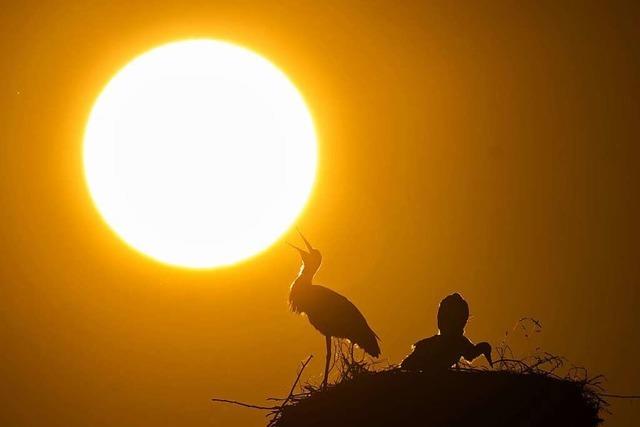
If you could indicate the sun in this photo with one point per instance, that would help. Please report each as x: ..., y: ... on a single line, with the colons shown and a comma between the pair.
x: 200, y: 153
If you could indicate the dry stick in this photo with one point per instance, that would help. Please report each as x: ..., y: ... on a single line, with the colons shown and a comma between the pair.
x: 246, y: 405
x: 514, y: 361
x: 293, y: 387
x: 267, y: 408
x: 620, y: 396
x: 277, y: 412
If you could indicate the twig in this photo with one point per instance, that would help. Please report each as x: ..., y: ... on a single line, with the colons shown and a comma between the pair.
x: 620, y: 396
x: 276, y: 409
x: 246, y: 405
x: 293, y: 387
x: 504, y: 361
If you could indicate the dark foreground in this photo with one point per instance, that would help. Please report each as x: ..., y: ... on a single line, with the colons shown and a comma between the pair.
x: 449, y: 399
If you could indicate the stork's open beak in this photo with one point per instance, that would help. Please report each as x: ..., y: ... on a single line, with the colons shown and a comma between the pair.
x: 306, y: 242
x: 302, y: 251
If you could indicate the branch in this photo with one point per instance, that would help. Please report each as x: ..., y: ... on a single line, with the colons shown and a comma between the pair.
x: 246, y: 405
x: 295, y: 383
x: 275, y: 411
x: 620, y: 396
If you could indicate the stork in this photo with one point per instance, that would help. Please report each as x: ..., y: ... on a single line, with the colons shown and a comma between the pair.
x: 329, y: 312
x: 445, y: 349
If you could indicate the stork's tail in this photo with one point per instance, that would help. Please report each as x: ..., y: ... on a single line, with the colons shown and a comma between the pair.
x: 369, y: 343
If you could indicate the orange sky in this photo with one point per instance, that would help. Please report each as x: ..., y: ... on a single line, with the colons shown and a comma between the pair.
x: 490, y: 149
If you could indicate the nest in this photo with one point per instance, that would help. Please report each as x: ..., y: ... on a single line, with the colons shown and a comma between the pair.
x: 540, y: 389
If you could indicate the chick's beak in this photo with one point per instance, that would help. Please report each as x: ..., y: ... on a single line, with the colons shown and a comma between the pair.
x: 487, y: 354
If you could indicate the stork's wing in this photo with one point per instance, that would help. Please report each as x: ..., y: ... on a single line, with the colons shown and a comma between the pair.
x: 334, y: 315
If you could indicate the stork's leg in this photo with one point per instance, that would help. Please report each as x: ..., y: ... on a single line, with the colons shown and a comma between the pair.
x: 327, y: 362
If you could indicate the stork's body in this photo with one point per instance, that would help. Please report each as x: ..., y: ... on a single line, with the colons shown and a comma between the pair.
x: 440, y: 352
x: 329, y: 312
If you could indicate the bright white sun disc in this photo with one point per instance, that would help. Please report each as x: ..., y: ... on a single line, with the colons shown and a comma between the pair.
x: 200, y: 153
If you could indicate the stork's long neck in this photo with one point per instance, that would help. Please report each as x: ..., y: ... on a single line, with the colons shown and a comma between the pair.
x: 305, y: 277
x: 296, y: 292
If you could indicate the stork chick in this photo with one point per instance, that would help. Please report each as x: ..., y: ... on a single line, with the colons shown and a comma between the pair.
x: 445, y: 349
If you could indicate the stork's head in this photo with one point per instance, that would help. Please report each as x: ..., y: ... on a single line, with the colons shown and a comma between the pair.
x: 485, y: 349
x: 311, y: 258
x: 453, y: 314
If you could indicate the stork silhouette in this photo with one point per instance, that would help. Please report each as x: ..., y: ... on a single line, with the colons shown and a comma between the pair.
x: 441, y: 351
x: 329, y: 312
